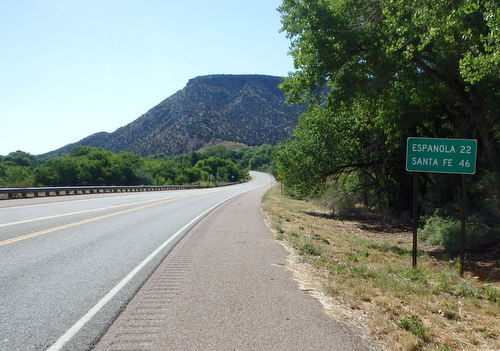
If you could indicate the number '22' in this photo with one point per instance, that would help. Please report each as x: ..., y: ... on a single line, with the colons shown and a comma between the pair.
x: 465, y: 149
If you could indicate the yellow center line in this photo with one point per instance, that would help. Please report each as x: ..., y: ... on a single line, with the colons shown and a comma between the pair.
x: 74, y: 213
x: 85, y: 221
x: 79, y: 212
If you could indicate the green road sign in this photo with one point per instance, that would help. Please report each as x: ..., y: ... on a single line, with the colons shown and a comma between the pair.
x: 437, y: 155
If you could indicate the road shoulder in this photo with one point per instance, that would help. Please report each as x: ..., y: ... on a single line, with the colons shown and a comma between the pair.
x: 225, y: 286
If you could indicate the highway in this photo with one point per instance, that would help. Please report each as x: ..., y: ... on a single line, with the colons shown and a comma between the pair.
x: 70, y: 264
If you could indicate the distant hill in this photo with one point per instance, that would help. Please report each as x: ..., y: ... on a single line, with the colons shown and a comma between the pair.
x: 245, y: 109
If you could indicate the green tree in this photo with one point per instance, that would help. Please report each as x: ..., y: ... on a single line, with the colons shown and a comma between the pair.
x: 16, y: 177
x: 211, y: 165
x: 457, y: 44
x: 376, y: 72
x: 257, y: 158
x: 124, y: 169
x: 161, y: 171
x: 59, y: 171
x: 220, y: 151
x: 86, y: 165
x: 20, y: 158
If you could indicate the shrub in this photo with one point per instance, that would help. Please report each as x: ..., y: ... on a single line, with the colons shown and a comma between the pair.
x: 437, y: 228
x: 341, y: 195
x: 446, y: 232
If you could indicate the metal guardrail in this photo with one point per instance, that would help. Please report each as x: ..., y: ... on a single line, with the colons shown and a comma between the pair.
x: 11, y: 193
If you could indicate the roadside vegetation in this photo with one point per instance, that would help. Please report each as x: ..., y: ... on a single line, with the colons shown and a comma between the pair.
x: 94, y: 166
x: 364, y: 272
x: 374, y: 73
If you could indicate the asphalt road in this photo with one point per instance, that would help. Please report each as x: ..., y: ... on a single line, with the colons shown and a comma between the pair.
x: 226, y: 286
x: 69, y: 266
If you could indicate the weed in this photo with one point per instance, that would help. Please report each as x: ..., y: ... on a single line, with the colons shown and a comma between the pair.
x: 279, y: 229
x: 360, y: 272
x: 441, y: 347
x: 301, y: 227
x: 390, y: 248
x: 414, y: 325
x: 294, y: 234
x: 353, y: 257
x: 416, y: 275
x: 486, y: 332
x: 450, y: 314
x: 467, y: 290
x: 451, y: 306
x: 309, y: 249
x: 342, y: 268
x: 491, y: 293
x: 320, y: 238
x: 444, y: 283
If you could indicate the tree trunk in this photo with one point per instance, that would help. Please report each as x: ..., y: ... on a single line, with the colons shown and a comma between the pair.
x: 487, y: 141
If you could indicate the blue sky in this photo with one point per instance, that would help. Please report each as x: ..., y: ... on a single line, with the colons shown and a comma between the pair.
x: 69, y: 69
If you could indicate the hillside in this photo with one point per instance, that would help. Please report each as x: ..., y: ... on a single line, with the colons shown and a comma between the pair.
x: 247, y: 109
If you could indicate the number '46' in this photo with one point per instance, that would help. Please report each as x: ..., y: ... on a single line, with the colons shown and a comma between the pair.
x: 464, y: 163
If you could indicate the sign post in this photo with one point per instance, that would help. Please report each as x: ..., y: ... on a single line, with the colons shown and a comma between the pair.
x: 415, y: 220
x: 438, y: 155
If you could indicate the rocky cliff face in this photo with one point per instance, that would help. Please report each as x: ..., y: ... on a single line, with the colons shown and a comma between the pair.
x: 247, y: 109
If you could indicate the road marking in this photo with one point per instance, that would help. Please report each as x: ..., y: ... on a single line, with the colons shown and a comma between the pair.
x: 71, y: 332
x: 67, y: 199
x: 75, y: 213
x: 74, y: 224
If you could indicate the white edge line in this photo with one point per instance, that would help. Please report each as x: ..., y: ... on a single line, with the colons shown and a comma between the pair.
x: 59, y: 344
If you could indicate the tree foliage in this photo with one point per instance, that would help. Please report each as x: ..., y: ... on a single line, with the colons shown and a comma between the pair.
x: 86, y: 165
x: 375, y: 72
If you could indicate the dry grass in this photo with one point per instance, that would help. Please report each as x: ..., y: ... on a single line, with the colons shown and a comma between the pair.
x: 364, y: 276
